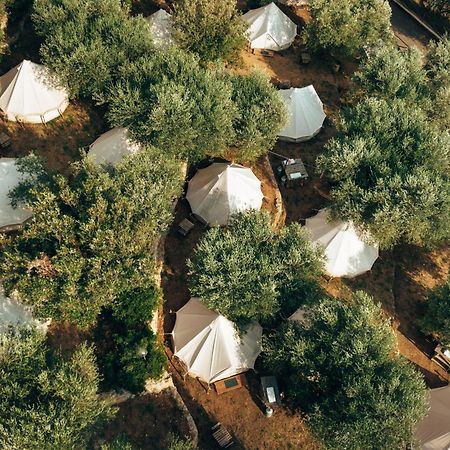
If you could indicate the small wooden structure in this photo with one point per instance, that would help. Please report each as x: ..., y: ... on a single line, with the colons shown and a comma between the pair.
x: 292, y: 169
x: 229, y: 384
x: 222, y: 436
x: 442, y: 357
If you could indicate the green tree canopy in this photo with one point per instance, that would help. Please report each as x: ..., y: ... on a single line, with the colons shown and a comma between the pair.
x: 437, y: 317
x: 92, y: 237
x: 390, y: 73
x: 87, y: 42
x: 242, y: 270
x: 341, y: 366
x: 389, y: 167
x: 212, y: 29
x: 347, y: 25
x: 45, y: 401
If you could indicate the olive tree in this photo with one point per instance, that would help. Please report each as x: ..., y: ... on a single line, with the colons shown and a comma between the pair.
x: 389, y: 168
x: 341, y: 366
x: 242, y: 271
x: 46, y: 401
x: 87, y: 42
x: 212, y: 29
x: 436, y: 320
x: 347, y: 25
x: 93, y: 234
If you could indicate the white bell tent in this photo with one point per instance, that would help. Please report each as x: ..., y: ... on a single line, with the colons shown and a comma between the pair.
x: 15, y: 314
x: 210, y: 346
x: 306, y: 114
x: 223, y: 189
x: 9, y: 179
x: 160, y: 26
x: 112, y: 146
x: 28, y: 94
x: 269, y: 28
x: 347, y: 255
x: 433, y: 432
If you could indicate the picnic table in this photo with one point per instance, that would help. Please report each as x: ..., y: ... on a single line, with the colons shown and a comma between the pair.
x: 292, y: 169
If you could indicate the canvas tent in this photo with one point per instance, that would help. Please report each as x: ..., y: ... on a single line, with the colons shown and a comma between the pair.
x: 112, y: 146
x: 269, y: 28
x: 160, y: 25
x: 28, y: 94
x: 222, y: 189
x: 13, y: 314
x: 9, y: 178
x: 347, y: 255
x: 306, y: 114
x: 209, y: 345
x: 433, y: 432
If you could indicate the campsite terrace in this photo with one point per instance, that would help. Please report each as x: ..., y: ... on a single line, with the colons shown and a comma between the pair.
x: 399, y: 278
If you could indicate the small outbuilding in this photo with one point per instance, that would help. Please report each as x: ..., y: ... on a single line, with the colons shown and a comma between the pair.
x: 433, y: 432
x: 161, y: 28
x: 28, y: 94
x: 347, y: 254
x: 10, y: 177
x: 269, y: 28
x: 221, y: 190
x: 305, y: 111
x: 209, y: 345
x: 111, y: 147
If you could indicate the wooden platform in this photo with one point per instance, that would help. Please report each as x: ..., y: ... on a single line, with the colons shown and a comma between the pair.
x: 229, y: 384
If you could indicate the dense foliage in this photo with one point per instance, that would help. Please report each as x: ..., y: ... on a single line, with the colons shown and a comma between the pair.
x: 88, y: 43
x: 390, y: 73
x: 440, y: 6
x: 170, y: 101
x: 45, y: 401
x: 389, y: 166
x: 93, y: 235
x: 347, y: 25
x: 437, y: 317
x: 341, y: 367
x: 242, y: 270
x: 212, y: 29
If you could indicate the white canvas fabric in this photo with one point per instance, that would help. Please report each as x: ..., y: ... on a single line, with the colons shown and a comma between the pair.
x: 223, y: 189
x: 347, y: 255
x: 9, y: 179
x: 433, y: 432
x: 305, y: 111
x: 160, y: 25
x: 112, y: 146
x: 269, y: 28
x: 209, y: 345
x: 27, y: 94
x: 13, y: 314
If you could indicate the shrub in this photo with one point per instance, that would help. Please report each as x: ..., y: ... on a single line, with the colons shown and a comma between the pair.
x: 389, y: 169
x: 347, y: 25
x: 240, y: 271
x: 212, y: 29
x: 92, y: 237
x: 45, y: 401
x: 341, y: 366
x: 437, y: 318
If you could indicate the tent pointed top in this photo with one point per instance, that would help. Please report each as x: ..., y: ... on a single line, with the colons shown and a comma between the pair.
x: 28, y: 94
x: 209, y: 345
x: 306, y: 114
x: 221, y: 190
x: 269, y: 28
x: 347, y: 254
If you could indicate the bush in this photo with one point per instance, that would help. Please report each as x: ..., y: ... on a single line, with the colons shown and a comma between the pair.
x: 261, y: 115
x: 389, y: 169
x: 347, y: 26
x: 88, y: 43
x: 177, y: 443
x: 212, y: 29
x: 137, y: 305
x: 92, y: 237
x: 437, y: 317
x: 240, y: 271
x: 45, y: 401
x: 341, y: 366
